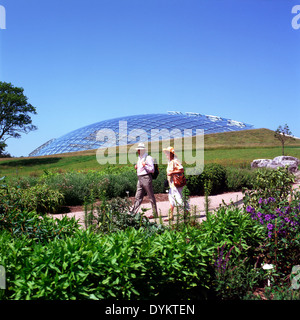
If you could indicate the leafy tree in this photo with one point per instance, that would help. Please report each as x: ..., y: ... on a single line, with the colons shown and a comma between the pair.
x: 14, y: 113
x: 283, y: 135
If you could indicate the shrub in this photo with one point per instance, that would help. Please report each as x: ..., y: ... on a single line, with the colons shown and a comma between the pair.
x: 40, y: 198
x: 20, y: 222
x: 113, y: 215
x: 120, y: 265
x: 23, y: 182
x: 269, y: 183
x: 126, y: 264
x: 281, y: 223
x: 237, y: 179
x: 117, y: 185
x: 280, y: 292
x: 213, y: 177
x: 234, y: 277
x: 75, y: 186
x: 159, y: 182
x: 232, y: 226
x: 270, y: 208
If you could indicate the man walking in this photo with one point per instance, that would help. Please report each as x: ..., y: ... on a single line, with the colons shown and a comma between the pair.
x: 144, y: 168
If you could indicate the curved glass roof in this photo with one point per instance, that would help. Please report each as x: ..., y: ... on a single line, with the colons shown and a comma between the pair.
x: 85, y: 138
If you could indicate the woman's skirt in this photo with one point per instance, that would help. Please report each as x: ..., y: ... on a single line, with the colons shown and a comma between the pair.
x: 175, y: 196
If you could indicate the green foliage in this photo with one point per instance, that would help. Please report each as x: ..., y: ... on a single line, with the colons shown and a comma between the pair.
x: 77, y: 186
x: 281, y: 223
x: 280, y: 292
x: 15, y: 113
x: 274, y: 206
x: 114, y: 215
x: 233, y: 237
x: 232, y: 226
x: 213, y: 175
x: 30, y: 224
x: 40, y: 198
x: 237, y: 178
x: 122, y: 256
x: 269, y: 183
x: 117, y: 185
x: 159, y: 182
x: 120, y: 265
x: 234, y: 277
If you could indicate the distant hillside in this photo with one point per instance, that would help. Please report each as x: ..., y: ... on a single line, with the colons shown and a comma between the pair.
x: 245, y: 139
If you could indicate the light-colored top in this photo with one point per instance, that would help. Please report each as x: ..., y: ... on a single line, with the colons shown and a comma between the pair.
x: 174, y: 166
x: 149, y: 165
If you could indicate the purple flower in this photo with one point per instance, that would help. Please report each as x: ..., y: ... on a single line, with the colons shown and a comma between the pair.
x: 260, y: 200
x: 271, y: 199
x: 270, y: 226
x: 253, y: 216
x: 250, y: 209
x: 259, y: 214
x: 267, y: 217
x: 270, y: 234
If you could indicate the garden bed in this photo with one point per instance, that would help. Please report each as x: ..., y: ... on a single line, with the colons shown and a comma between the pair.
x: 121, y: 256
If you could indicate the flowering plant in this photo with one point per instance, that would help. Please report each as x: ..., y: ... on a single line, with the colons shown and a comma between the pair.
x: 233, y: 276
x: 280, y: 221
x: 282, y: 225
x: 269, y: 186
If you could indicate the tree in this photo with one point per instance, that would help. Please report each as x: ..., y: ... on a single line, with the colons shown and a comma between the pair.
x: 14, y: 113
x: 283, y: 135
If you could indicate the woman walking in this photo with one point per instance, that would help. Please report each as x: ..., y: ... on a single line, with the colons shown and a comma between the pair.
x: 175, y: 192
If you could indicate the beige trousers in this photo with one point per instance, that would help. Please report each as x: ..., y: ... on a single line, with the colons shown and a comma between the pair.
x: 144, y: 186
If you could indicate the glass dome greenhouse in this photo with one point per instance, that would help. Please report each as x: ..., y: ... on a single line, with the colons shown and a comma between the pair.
x: 85, y: 138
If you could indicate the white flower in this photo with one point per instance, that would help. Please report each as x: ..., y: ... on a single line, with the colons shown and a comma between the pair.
x: 268, y: 266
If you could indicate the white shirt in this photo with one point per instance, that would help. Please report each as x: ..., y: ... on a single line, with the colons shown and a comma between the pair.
x: 149, y: 165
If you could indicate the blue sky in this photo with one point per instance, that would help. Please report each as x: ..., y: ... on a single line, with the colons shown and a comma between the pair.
x: 81, y: 62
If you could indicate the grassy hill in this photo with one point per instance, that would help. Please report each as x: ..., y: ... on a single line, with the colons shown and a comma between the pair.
x: 236, y: 149
x: 255, y: 138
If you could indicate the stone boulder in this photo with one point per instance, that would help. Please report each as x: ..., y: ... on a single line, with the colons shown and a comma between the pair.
x: 277, y: 162
x: 261, y: 163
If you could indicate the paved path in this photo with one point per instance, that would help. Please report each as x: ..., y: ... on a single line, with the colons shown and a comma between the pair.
x: 196, y: 203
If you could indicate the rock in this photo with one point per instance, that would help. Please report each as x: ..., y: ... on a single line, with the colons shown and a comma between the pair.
x: 260, y: 163
x: 289, y: 161
x: 282, y: 159
x: 277, y: 162
x: 274, y: 165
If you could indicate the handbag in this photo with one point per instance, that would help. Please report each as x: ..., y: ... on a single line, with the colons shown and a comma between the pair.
x: 179, y: 180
